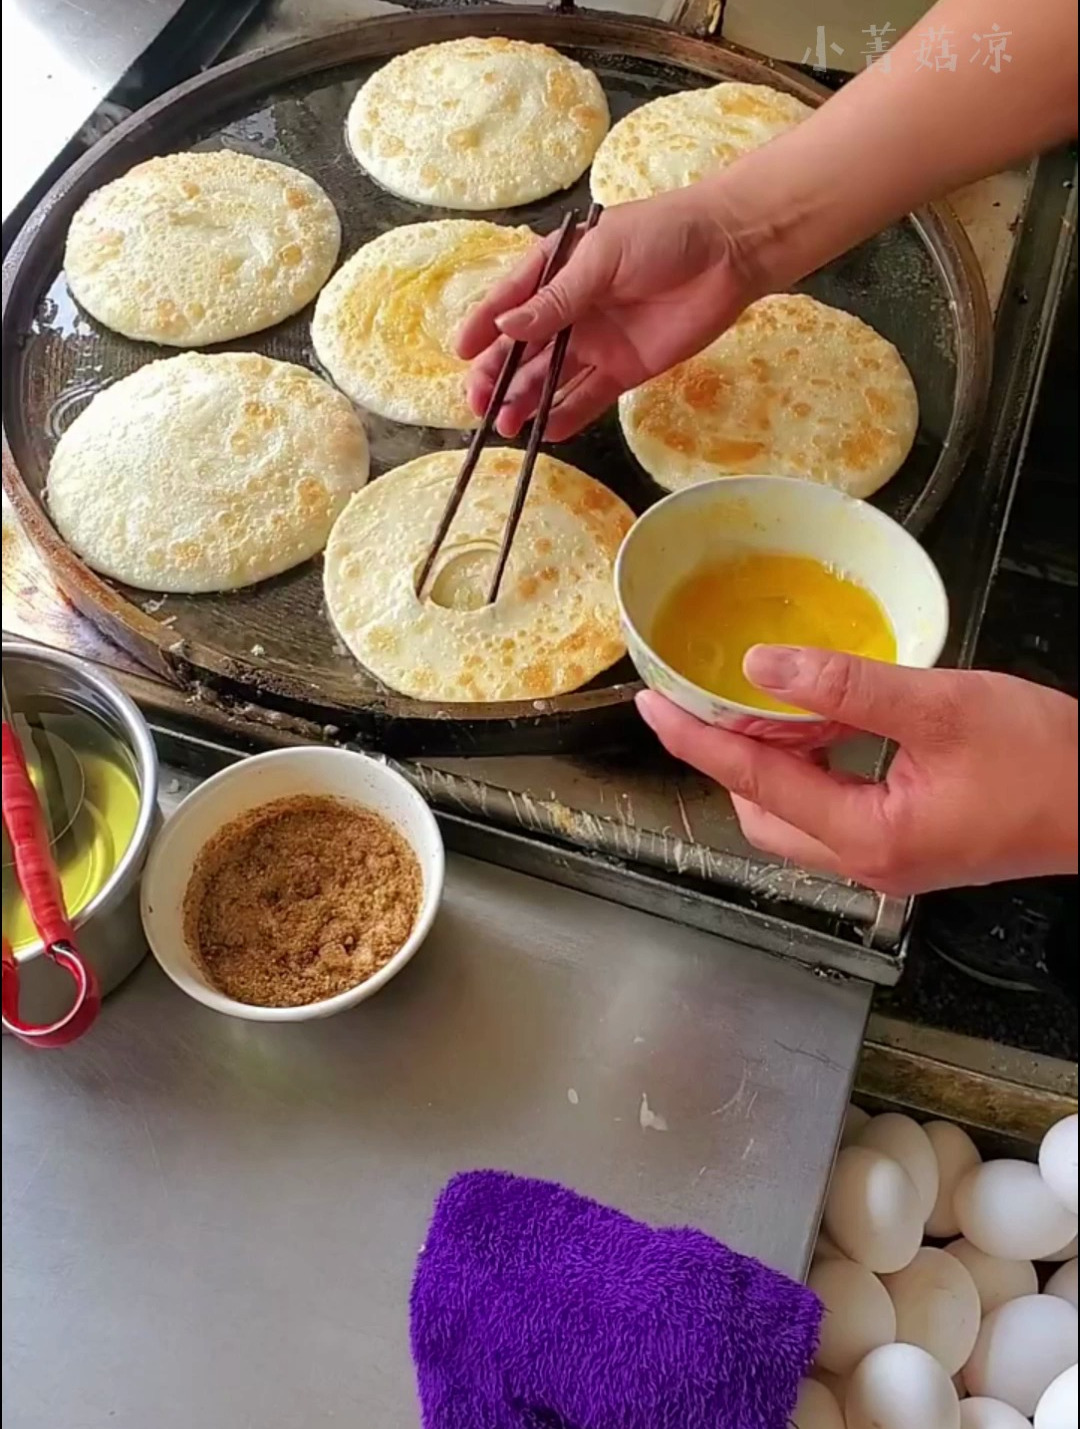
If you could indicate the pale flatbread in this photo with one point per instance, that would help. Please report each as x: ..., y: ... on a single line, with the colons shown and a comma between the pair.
x: 794, y: 388
x: 205, y: 473
x: 478, y: 124
x: 677, y: 139
x: 385, y: 326
x: 555, y: 624
x: 198, y: 248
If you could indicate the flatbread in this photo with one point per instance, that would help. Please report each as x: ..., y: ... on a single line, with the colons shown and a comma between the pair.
x: 385, y: 326
x: 679, y: 138
x: 478, y: 124
x: 198, y: 248
x: 205, y: 473
x: 555, y: 624
x: 794, y: 388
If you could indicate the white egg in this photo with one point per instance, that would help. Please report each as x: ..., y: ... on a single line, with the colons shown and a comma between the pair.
x: 956, y: 1155
x: 854, y: 1121
x: 1057, y: 1409
x: 824, y: 1249
x: 901, y: 1387
x: 937, y: 1307
x: 859, y: 1315
x: 1063, y: 1283
x: 990, y: 1414
x: 1057, y: 1161
x: 1067, y: 1252
x: 816, y: 1408
x: 995, y: 1279
x: 1022, y: 1348
x: 1006, y: 1208
x: 872, y: 1211
x: 903, y: 1139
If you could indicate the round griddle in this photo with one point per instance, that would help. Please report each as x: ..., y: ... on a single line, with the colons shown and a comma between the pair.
x: 918, y: 284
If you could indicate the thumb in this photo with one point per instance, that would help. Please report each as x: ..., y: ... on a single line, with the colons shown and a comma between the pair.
x: 569, y: 294
x: 888, y: 700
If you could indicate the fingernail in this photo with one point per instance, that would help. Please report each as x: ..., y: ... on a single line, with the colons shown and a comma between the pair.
x: 644, y: 703
x: 773, y: 667
x: 515, y: 323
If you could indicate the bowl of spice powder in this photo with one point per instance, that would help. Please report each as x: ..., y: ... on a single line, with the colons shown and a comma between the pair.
x: 293, y: 885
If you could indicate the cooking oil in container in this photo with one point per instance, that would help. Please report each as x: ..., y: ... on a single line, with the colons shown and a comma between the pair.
x: 95, y: 832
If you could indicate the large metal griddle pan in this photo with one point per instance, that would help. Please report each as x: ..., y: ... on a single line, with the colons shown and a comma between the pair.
x: 918, y: 284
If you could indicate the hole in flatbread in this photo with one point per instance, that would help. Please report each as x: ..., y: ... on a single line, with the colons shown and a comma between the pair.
x: 463, y: 575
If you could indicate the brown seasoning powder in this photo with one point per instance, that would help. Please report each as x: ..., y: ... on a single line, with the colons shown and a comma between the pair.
x: 300, y: 899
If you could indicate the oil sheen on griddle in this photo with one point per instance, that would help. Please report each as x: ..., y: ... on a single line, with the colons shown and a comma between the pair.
x: 98, y: 829
x: 716, y: 614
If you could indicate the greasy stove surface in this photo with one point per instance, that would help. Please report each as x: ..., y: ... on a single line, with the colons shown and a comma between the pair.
x: 995, y: 963
x: 81, y: 67
x: 60, y: 59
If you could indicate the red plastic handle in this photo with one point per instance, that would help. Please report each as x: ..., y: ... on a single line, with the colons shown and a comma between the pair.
x: 40, y: 886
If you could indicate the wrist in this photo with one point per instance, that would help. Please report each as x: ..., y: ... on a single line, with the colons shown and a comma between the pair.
x: 776, y: 228
x: 819, y: 189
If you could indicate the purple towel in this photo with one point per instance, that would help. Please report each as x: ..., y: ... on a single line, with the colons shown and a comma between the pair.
x: 533, y: 1308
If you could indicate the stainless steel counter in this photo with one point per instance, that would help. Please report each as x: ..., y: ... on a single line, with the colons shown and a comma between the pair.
x: 60, y: 60
x: 214, y: 1223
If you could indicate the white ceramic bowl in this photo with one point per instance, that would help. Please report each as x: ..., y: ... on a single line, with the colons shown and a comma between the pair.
x: 777, y: 514
x: 339, y: 773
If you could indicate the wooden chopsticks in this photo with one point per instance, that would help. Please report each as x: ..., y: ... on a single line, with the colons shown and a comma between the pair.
x: 556, y: 258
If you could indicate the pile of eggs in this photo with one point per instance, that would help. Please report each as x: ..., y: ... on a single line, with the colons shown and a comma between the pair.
x: 926, y: 1267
